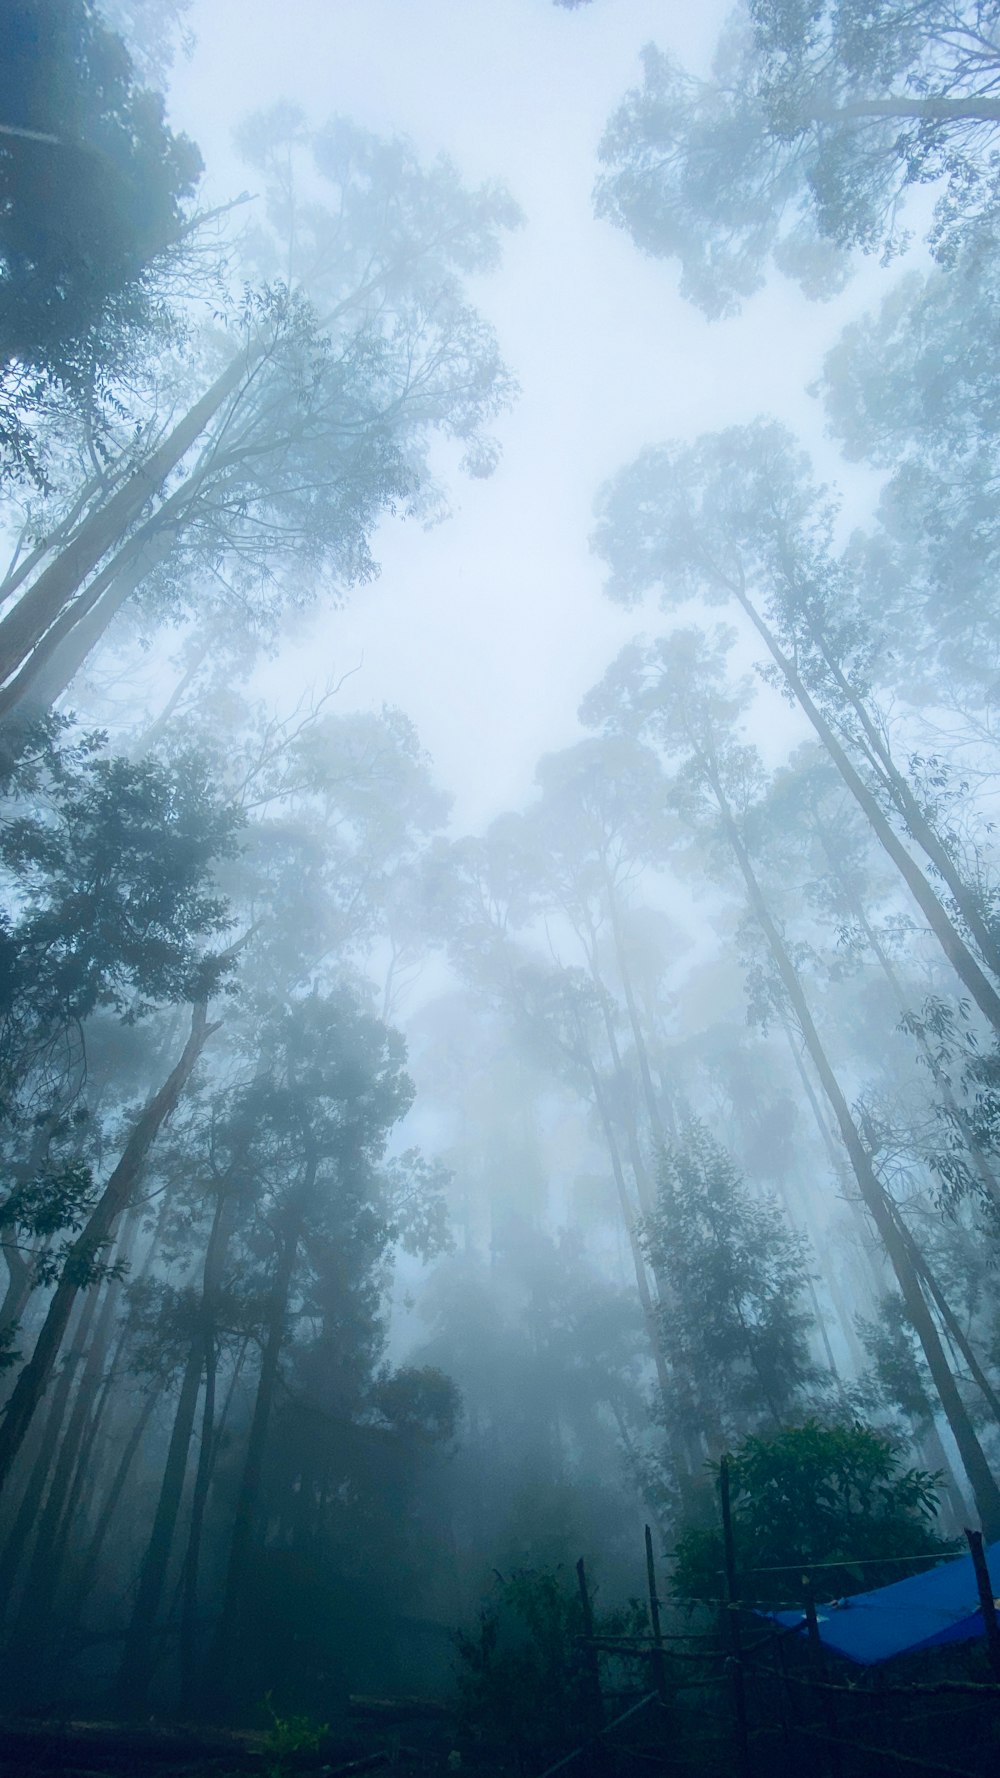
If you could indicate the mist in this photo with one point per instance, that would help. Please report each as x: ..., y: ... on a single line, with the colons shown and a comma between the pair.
x: 499, y: 949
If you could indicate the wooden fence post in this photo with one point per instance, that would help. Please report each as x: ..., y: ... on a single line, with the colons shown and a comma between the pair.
x: 657, y: 1663
x: 733, y: 1620
x: 591, y: 1668
x: 987, y: 1606
x: 833, y: 1758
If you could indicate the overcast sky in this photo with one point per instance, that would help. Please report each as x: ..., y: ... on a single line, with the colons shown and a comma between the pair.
x: 488, y: 629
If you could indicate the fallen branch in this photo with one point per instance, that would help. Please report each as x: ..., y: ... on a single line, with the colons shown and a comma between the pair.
x: 399, y: 1709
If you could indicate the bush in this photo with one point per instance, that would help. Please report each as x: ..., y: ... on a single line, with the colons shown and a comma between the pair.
x: 837, y: 1499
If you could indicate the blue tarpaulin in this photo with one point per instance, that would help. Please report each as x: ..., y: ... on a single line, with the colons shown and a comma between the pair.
x: 924, y: 1611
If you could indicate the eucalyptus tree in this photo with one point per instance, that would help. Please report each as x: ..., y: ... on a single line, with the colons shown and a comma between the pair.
x: 485, y: 894
x: 912, y: 390
x: 354, y: 347
x: 735, y: 1322
x: 334, y: 1087
x: 550, y: 1359
x: 737, y: 520
x: 336, y: 809
x: 849, y: 889
x: 674, y: 693
x: 599, y: 825
x: 351, y: 806
x: 816, y: 118
x: 111, y: 910
x: 94, y: 191
x: 153, y: 30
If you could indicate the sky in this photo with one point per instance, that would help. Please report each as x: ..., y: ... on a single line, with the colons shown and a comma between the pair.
x: 489, y: 628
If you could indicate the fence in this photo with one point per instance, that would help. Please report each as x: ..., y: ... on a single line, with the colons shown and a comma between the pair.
x: 756, y: 1702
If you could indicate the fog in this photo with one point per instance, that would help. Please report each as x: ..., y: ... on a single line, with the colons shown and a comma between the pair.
x: 500, y: 980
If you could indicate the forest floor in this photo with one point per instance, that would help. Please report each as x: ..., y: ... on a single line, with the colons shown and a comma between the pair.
x: 81, y: 1749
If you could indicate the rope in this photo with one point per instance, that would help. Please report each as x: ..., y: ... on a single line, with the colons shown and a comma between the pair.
x: 568, y: 1758
x: 848, y: 1562
x: 962, y: 1687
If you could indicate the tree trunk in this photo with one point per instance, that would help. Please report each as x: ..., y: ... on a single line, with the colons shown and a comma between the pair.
x: 957, y: 1336
x: 25, y: 625
x: 20, y: 1272
x: 61, y: 652
x: 950, y: 940
x: 42, y: 1577
x: 984, y: 1487
x: 138, y: 1658
x: 192, y: 1555
x: 106, y: 1516
x: 916, y: 821
x: 214, y: 1269
x: 34, y: 1493
x: 222, y: 1664
x: 643, y: 1182
x: 34, y: 1377
x: 638, y: 1035
x: 638, y: 1261
x: 22, y: 567
x: 984, y: 1172
x: 937, y: 109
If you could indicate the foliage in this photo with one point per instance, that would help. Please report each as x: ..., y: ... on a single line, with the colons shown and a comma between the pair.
x: 837, y: 1499
x: 522, y: 1677
x: 734, y: 1275
x: 816, y: 118
x: 106, y: 868
x: 288, y: 1738
x: 897, y: 1374
x: 92, y: 192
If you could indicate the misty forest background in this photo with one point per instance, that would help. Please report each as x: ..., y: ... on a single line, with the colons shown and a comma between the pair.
x: 393, y: 1213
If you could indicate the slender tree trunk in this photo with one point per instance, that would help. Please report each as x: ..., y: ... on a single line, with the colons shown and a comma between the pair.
x: 42, y: 1578
x: 955, y: 949
x: 112, y: 1369
x: 805, y: 1234
x: 23, y: 566
x: 653, y: 1111
x: 34, y: 1493
x: 982, y: 1481
x: 61, y: 652
x: 981, y: 1165
x: 19, y: 1276
x: 949, y: 1320
x: 643, y: 1183
x: 199, y: 1503
x: 628, y: 1219
x: 222, y: 1663
x: 34, y: 1377
x: 138, y: 1658
x: 873, y: 1261
x: 25, y: 625
x: 161, y: 722
x: 20, y: 1271
x: 939, y: 108
x: 106, y: 1516
x: 937, y: 1460
x: 915, y: 819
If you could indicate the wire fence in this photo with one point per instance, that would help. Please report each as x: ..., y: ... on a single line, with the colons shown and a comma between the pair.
x: 739, y: 1701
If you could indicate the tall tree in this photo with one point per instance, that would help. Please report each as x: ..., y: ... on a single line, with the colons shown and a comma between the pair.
x: 356, y: 346
x: 735, y: 1323
x: 676, y: 693
x: 815, y: 119
x: 333, y: 1090
x: 736, y: 519
x: 93, y: 194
